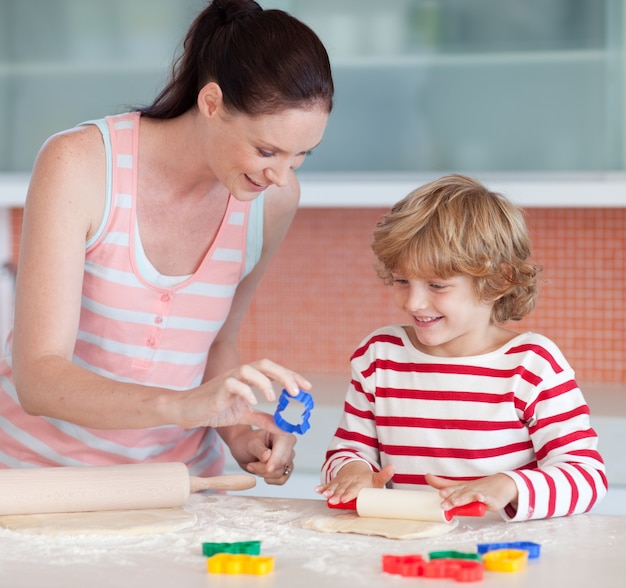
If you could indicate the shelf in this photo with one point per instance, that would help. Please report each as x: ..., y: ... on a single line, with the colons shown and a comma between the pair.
x: 532, y: 191
x: 382, y: 190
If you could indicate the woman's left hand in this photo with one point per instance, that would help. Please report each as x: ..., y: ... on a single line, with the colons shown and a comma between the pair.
x: 264, y: 454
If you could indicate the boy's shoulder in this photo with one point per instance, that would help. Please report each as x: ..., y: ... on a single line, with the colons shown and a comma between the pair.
x: 530, y: 339
x: 393, y: 336
x: 537, y: 350
x: 387, y: 334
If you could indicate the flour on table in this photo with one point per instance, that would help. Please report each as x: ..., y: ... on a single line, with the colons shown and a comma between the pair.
x: 113, y: 522
x: 390, y: 528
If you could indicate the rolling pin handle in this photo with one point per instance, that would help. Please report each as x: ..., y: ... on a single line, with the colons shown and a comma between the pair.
x: 350, y: 505
x: 473, y: 509
x: 224, y: 482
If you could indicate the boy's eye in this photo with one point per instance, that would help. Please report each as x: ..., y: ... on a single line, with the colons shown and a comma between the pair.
x: 264, y: 153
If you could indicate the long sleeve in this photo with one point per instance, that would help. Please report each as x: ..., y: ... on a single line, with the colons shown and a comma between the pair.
x: 569, y: 477
x: 356, y: 435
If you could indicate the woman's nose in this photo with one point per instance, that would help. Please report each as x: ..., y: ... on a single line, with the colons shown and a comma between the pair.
x: 278, y: 174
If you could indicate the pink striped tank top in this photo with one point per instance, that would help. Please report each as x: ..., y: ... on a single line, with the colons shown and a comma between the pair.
x: 133, y: 330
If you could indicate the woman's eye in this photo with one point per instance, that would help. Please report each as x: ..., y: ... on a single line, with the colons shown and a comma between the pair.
x: 264, y: 153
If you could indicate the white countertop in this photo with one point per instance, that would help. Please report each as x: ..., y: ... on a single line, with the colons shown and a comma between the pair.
x: 578, y: 551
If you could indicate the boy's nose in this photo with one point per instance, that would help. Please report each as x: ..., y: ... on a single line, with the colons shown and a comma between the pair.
x: 416, y: 299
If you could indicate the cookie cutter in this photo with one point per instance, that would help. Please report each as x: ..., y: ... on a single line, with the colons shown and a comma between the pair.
x: 505, y: 560
x: 403, y: 565
x: 454, y: 555
x: 230, y: 563
x: 533, y: 548
x: 245, y: 547
x: 307, y: 401
x: 458, y: 569
x: 461, y: 570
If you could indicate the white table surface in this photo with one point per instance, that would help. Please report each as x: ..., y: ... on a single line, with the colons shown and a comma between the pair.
x: 583, y: 550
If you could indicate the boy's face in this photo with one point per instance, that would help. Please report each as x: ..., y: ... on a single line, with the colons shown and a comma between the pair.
x: 446, y: 316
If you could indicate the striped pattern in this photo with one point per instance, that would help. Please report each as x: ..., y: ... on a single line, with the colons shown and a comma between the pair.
x: 516, y: 410
x: 133, y: 331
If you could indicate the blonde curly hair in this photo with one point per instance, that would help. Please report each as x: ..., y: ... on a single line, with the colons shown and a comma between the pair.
x: 456, y: 226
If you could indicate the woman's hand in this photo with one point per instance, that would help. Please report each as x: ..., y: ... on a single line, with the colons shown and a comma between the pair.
x: 227, y: 399
x: 495, y: 491
x: 264, y: 454
x: 351, y: 478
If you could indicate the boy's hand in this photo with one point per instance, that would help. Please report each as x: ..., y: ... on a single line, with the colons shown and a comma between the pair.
x: 495, y: 491
x: 351, y: 478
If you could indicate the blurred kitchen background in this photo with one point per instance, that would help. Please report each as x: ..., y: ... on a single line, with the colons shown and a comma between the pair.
x: 526, y: 95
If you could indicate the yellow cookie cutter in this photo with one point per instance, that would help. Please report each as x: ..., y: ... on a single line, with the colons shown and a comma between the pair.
x: 505, y: 560
x: 229, y: 563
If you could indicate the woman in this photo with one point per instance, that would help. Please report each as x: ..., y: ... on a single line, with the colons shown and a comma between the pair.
x: 144, y: 237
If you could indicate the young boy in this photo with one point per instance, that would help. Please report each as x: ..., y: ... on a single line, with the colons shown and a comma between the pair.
x: 454, y: 400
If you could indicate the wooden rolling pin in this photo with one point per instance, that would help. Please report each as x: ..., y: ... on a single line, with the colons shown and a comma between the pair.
x: 111, y: 487
x: 413, y: 505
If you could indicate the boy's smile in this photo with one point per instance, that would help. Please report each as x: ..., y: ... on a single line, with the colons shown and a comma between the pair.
x: 447, y: 318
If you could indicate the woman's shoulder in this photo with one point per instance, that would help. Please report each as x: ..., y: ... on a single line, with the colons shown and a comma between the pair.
x: 75, y: 146
x: 69, y: 174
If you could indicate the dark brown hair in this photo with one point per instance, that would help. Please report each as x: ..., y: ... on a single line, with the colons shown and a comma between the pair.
x: 263, y: 60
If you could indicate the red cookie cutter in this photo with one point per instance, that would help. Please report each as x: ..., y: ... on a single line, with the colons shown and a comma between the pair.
x: 460, y: 570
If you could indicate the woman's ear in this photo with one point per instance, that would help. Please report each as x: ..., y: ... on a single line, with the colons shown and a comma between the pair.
x: 210, y: 99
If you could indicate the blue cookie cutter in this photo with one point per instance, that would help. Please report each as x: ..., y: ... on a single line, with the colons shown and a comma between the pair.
x: 533, y: 549
x: 307, y: 400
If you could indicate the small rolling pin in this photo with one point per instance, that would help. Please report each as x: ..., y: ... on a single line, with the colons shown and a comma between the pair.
x: 111, y: 487
x: 412, y: 505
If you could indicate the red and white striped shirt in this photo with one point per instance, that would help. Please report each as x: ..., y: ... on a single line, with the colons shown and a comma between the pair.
x: 516, y: 410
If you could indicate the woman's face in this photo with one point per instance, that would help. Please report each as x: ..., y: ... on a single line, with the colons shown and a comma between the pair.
x: 250, y: 154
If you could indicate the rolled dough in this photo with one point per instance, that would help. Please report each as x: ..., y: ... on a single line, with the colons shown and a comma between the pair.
x: 112, y: 522
x: 390, y: 528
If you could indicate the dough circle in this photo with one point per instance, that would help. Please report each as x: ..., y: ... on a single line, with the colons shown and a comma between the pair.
x: 112, y: 522
x: 390, y: 528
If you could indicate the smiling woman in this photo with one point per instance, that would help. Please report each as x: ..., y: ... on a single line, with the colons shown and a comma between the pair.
x: 145, y: 235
